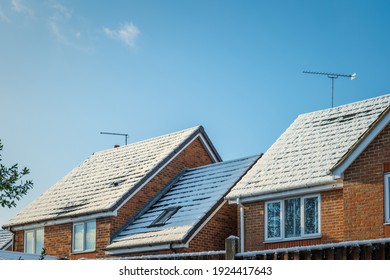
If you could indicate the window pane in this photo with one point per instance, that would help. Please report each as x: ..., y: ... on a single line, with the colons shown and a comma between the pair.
x: 39, y: 241
x: 29, y: 242
x: 78, y: 237
x: 273, y: 220
x: 388, y: 198
x: 311, y: 215
x: 292, y: 217
x: 90, y: 236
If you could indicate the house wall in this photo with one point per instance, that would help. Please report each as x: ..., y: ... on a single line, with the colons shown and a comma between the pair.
x: 332, y: 226
x: 364, y: 191
x: 355, y: 212
x: 58, y: 238
x: 210, y: 238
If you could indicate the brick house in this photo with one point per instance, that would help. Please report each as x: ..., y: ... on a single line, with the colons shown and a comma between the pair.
x: 96, y: 202
x: 325, y: 180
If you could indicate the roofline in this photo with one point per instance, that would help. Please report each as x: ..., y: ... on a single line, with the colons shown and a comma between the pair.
x: 361, y: 144
x: 303, y: 190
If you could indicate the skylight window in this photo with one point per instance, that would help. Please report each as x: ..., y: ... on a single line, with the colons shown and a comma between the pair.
x: 164, y: 216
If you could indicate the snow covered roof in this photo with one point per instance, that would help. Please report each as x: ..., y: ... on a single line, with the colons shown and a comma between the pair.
x: 106, y: 178
x: 195, y: 194
x: 9, y: 255
x: 5, y: 239
x: 314, y: 144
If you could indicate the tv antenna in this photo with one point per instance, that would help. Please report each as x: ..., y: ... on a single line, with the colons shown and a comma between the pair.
x: 118, y: 134
x: 332, y: 76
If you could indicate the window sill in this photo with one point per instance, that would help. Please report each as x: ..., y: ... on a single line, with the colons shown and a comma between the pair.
x: 84, y: 252
x: 293, y: 239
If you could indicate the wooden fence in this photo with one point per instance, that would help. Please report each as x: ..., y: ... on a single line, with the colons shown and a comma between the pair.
x: 376, y: 249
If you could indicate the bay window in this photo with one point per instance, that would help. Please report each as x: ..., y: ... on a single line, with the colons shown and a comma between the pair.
x: 292, y: 218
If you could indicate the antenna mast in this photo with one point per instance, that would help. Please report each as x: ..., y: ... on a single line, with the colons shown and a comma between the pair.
x: 120, y: 134
x: 332, y: 76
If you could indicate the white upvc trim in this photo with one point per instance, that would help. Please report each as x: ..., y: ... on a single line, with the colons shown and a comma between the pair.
x: 302, y: 236
x: 204, y: 142
x: 64, y: 221
x: 145, y: 249
x: 386, y: 178
x: 289, y: 193
x: 339, y: 170
x: 242, y: 226
x: 208, y: 148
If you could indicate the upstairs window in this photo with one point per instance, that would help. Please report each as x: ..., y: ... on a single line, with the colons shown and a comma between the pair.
x: 387, y: 197
x: 292, y: 218
x: 164, y: 216
x: 84, y: 237
x: 33, y: 241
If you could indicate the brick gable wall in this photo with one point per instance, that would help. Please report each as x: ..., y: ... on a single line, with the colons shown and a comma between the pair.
x: 364, y: 191
x: 58, y: 238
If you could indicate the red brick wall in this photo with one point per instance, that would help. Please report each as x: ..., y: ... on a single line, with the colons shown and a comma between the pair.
x: 58, y: 238
x: 331, y: 226
x: 19, y: 241
x: 363, y: 191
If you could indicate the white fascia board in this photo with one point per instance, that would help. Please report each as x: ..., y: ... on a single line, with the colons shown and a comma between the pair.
x: 208, y: 148
x: 338, y: 172
x: 144, y: 249
x: 63, y: 221
x: 204, y: 142
x: 295, y: 192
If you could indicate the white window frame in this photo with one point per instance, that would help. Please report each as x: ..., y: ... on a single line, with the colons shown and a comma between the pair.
x: 84, y: 224
x: 386, y: 197
x: 282, y: 219
x: 34, y: 231
x: 266, y: 220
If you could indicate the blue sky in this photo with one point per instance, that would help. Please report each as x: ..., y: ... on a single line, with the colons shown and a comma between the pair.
x: 71, y: 69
